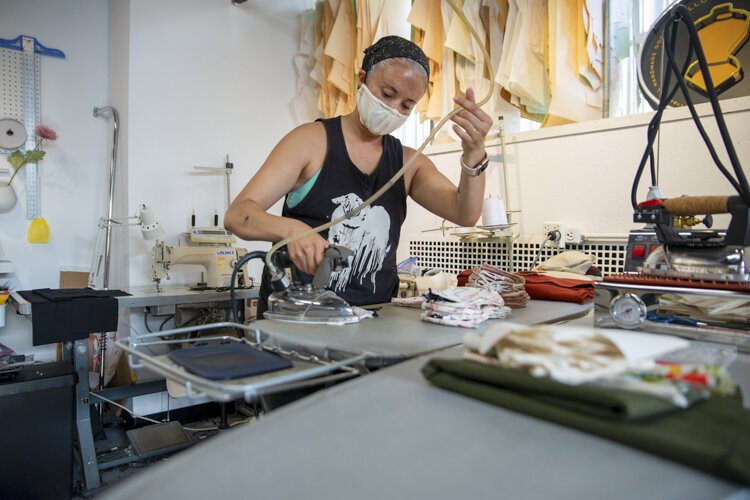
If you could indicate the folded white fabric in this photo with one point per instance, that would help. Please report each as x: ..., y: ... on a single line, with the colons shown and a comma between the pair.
x: 463, y: 306
x: 437, y: 281
x: 570, y: 261
x: 570, y: 264
x: 570, y: 355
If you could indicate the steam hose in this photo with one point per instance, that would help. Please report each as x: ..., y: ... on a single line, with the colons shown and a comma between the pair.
x: 277, y: 273
x: 232, y: 291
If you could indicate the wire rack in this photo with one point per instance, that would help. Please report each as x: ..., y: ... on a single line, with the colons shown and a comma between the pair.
x: 307, y: 369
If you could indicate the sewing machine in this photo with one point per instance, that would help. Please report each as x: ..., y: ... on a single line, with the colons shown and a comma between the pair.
x: 218, y: 261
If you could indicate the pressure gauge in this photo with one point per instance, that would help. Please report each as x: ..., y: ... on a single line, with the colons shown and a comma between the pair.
x: 628, y: 311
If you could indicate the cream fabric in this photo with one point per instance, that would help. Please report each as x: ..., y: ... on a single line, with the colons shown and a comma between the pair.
x: 571, y: 261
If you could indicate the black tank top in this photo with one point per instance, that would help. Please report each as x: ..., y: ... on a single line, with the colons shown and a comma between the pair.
x: 373, y: 234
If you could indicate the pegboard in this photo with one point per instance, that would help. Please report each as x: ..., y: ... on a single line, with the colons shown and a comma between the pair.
x: 21, y: 73
x: 454, y: 256
x: 16, y: 93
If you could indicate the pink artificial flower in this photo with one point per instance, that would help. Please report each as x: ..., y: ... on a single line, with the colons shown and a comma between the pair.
x: 45, y: 132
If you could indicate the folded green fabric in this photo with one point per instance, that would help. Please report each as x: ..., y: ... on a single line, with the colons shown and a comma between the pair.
x: 713, y: 435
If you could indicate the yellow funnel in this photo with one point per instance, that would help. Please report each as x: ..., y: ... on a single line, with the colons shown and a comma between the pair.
x: 38, y: 231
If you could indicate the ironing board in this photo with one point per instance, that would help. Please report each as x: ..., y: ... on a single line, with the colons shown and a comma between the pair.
x: 397, y: 333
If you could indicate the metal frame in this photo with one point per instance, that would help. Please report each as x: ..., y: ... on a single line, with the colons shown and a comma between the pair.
x: 307, y: 370
x: 77, y: 353
x: 649, y: 295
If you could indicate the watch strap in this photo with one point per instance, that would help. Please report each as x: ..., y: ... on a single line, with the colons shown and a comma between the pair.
x: 478, y: 169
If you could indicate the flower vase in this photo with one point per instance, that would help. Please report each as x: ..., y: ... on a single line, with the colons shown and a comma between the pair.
x: 7, y: 198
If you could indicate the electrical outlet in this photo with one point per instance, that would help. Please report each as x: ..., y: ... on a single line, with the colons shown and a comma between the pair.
x: 547, y: 227
x: 573, y: 235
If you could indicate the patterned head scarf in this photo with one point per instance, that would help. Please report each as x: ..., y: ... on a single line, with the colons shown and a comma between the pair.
x: 392, y: 46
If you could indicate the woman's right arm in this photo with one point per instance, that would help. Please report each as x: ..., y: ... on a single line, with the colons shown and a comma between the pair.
x: 247, y: 216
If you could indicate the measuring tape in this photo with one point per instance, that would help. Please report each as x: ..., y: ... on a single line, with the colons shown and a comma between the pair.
x: 32, y: 117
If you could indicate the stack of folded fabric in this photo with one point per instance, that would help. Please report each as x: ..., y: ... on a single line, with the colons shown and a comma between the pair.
x: 562, y: 277
x: 545, y: 287
x: 596, y: 381
x: 602, y: 358
x: 463, y: 306
x: 510, y: 286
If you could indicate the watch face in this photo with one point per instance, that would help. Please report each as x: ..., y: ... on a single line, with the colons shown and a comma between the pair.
x: 628, y: 311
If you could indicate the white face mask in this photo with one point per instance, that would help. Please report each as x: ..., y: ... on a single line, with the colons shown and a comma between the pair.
x: 375, y: 115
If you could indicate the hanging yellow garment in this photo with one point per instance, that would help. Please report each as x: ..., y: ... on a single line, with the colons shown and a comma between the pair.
x: 340, y: 48
x: 368, y: 13
x: 391, y: 19
x: 590, y: 49
x: 427, y: 19
x: 327, y: 93
x: 569, y: 102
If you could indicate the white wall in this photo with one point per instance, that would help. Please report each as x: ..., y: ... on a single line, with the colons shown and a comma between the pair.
x: 192, y: 80
x: 74, y: 170
x: 202, y: 79
x: 206, y: 79
x: 581, y: 174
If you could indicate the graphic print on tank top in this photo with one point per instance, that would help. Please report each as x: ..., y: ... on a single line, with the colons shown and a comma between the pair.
x: 366, y: 234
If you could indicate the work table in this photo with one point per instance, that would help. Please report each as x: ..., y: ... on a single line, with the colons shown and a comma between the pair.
x: 391, y: 434
x: 149, y: 296
x: 397, y: 334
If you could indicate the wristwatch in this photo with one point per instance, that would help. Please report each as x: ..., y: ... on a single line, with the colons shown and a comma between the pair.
x: 478, y: 169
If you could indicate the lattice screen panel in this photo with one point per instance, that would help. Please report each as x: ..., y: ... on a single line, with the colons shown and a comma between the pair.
x: 454, y: 255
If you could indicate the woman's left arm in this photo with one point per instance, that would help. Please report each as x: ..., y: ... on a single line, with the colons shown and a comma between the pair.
x: 461, y: 205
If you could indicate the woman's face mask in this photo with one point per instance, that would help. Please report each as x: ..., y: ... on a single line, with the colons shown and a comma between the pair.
x: 375, y: 115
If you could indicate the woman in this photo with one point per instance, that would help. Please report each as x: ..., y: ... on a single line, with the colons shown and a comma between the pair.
x: 328, y: 167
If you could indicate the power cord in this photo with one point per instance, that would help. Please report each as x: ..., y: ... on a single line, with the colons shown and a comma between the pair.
x: 258, y: 254
x: 681, y: 14
x: 146, y: 314
x: 552, y: 236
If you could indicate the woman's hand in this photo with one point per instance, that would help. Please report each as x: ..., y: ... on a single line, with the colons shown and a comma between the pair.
x: 471, y: 125
x: 307, y: 253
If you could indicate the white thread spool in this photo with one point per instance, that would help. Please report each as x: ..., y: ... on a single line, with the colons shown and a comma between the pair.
x: 493, y: 212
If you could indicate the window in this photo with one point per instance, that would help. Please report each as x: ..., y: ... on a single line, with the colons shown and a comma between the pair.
x: 629, y: 22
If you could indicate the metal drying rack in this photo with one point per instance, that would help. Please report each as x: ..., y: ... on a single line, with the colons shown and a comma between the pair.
x: 307, y: 370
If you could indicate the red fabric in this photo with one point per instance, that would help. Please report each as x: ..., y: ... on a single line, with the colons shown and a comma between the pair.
x: 656, y: 202
x: 542, y: 287
x: 463, y: 277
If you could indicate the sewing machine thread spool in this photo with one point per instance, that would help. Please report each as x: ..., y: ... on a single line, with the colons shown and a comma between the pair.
x: 493, y: 212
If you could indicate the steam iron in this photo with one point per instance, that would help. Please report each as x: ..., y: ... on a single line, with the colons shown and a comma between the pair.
x: 693, y: 283
x: 698, y: 255
x: 312, y: 303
